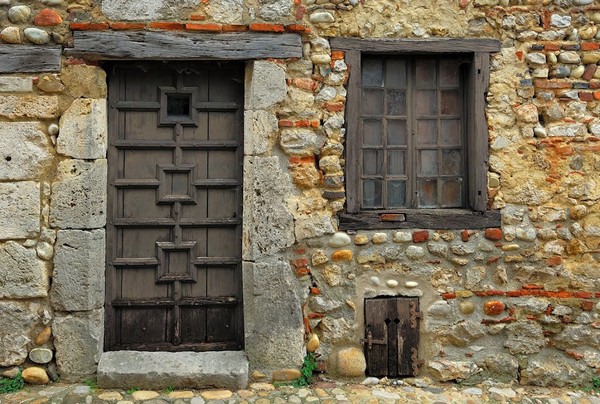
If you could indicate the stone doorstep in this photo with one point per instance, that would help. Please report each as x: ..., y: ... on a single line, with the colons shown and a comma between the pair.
x: 180, y: 370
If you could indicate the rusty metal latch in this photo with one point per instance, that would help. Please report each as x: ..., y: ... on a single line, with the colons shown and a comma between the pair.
x: 415, y: 361
x: 370, y: 340
x: 414, y: 315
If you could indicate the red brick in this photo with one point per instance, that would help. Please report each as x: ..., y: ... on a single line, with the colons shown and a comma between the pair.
x: 286, y: 123
x: 337, y: 55
x: 197, y: 17
x: 300, y: 262
x: 297, y: 28
x: 300, y: 251
x: 554, y: 261
x: 587, y: 305
x: 300, y: 12
x: 589, y: 71
x: 582, y: 295
x: 571, y: 353
x: 519, y: 54
x: 493, y: 259
x: 262, y: 27
x: 315, y: 291
x: 557, y: 294
x: 420, y: 236
x: 88, y: 26
x: 464, y: 235
x: 334, y: 106
x: 302, y: 271
x: 566, y: 319
x: 549, y: 310
x: 586, y: 96
x: 391, y: 217
x: 589, y: 46
x: 597, y: 95
x: 463, y: 3
x: 494, y: 234
x: 204, y: 27
x: 552, y: 46
x: 558, y: 84
x: 448, y: 295
x: 302, y: 160
x: 125, y: 26
x: 514, y: 293
x: 315, y: 124
x: 303, y: 123
x: 234, y: 28
x: 305, y: 83
x: 75, y: 61
x: 166, y: 25
x: 47, y: 18
x: 494, y: 293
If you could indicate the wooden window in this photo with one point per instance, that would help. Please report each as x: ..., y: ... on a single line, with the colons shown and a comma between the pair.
x: 416, y: 141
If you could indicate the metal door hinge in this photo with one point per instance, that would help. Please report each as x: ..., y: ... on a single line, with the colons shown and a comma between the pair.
x: 415, y: 361
x: 414, y: 315
x: 370, y: 340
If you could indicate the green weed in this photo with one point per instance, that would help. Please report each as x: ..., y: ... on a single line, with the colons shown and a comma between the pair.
x: 168, y: 389
x: 11, y: 385
x: 132, y: 390
x: 91, y: 384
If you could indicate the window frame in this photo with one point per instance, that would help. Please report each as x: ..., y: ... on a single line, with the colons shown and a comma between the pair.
x: 477, y: 214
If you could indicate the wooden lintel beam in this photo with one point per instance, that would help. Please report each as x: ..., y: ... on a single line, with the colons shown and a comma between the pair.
x: 442, y: 45
x: 29, y: 59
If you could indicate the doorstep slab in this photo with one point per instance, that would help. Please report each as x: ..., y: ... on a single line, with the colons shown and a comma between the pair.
x: 158, y: 370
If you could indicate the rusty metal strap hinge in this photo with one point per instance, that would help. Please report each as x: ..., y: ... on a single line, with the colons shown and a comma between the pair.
x: 415, y: 361
x: 414, y: 315
x: 370, y: 341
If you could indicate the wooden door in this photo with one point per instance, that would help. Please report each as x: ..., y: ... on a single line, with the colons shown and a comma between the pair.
x: 175, y: 206
x: 392, y: 336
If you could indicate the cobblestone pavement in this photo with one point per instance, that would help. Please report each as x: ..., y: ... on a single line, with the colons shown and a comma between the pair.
x: 417, y: 391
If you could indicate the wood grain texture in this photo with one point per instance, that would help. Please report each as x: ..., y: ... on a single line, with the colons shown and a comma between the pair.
x: 448, y: 45
x: 148, y: 45
x: 29, y: 59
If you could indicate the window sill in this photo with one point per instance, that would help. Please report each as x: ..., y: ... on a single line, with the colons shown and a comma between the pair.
x: 440, y: 219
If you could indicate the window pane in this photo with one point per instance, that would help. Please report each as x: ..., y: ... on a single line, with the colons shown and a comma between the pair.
x: 372, y: 194
x: 372, y: 73
x: 449, y: 73
x: 451, y: 103
x: 426, y: 103
x: 426, y: 131
x: 396, y: 194
x: 452, y: 194
x: 396, y: 162
x: 372, y: 132
x: 395, y: 73
x: 451, y: 132
x: 396, y: 132
x: 372, y: 162
x: 396, y: 102
x: 427, y: 190
x: 178, y: 105
x: 428, y: 162
x: 372, y: 102
x: 451, y: 162
x: 425, y: 72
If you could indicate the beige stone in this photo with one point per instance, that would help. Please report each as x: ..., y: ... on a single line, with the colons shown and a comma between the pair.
x: 84, y: 81
x: 83, y: 130
x: 144, y: 395
x: 262, y: 386
x: 11, y: 35
x: 42, y: 107
x: 181, y: 394
x: 110, y: 396
x: 22, y: 274
x: 44, y: 336
x: 216, y: 394
x: 35, y: 375
x: 25, y: 151
x: 313, y: 343
x: 351, y: 362
x: 283, y: 375
x: 19, y: 209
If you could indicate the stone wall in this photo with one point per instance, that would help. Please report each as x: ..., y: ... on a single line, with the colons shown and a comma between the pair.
x: 518, y: 302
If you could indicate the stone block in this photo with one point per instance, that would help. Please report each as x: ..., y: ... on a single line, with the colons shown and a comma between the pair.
x: 272, y: 313
x: 78, y: 343
x: 267, y: 85
x: 78, y: 281
x: 16, y: 84
x: 260, y: 130
x: 135, y: 10
x: 79, y: 195
x: 226, y: 11
x: 351, y: 362
x: 181, y: 370
x: 22, y: 274
x: 301, y: 142
x: 19, y: 209
x: 41, y: 107
x: 84, y: 81
x: 268, y: 223
x: 24, y: 151
x: 555, y: 370
x: 83, y: 130
x: 18, y: 323
x: 275, y: 10
x: 446, y: 370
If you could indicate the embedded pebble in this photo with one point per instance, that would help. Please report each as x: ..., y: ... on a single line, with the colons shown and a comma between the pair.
x: 19, y: 14
x: 339, y: 239
x: 411, y: 284
x: 392, y: 283
x: 11, y: 35
x: 35, y: 375
x: 379, y: 238
x: 321, y: 17
x: 53, y: 129
x: 40, y: 355
x: 36, y: 35
x: 402, y: 237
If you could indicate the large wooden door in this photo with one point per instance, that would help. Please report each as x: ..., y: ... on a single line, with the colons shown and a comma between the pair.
x: 175, y: 206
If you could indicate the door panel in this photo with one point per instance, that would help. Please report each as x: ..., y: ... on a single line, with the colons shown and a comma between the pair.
x: 175, y: 206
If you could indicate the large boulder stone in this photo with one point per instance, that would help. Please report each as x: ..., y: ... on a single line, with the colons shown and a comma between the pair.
x: 18, y: 323
x: 351, y: 362
x: 83, y: 130
x: 79, y: 195
x: 274, y: 326
x: 24, y: 151
x: 556, y: 370
x: 78, y: 281
x: 78, y: 343
x: 22, y: 273
x: 19, y: 210
x: 146, y: 10
x: 267, y: 86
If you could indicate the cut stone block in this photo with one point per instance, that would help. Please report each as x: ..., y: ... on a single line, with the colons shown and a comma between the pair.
x: 42, y: 107
x: 24, y: 151
x: 18, y: 322
x: 22, y: 273
x: 83, y: 130
x: 267, y: 86
x: 157, y: 370
x: 78, y: 281
x: 134, y: 10
x: 16, y: 84
x: 19, y: 210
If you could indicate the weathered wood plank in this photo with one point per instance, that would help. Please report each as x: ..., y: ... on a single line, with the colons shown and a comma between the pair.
x: 149, y: 45
x: 447, y: 45
x: 29, y: 59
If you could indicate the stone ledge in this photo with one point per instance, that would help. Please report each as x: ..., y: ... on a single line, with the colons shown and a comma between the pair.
x: 157, y: 370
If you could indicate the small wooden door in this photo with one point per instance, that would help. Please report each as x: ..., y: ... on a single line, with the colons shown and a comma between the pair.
x: 175, y: 206
x: 392, y: 336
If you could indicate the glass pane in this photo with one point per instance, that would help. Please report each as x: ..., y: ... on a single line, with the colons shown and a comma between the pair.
x: 372, y: 102
x: 426, y: 102
x: 451, y: 162
x: 372, y: 162
x: 395, y: 73
x: 428, y: 162
x: 396, y: 132
x: 396, y: 162
x: 426, y: 131
x: 396, y: 102
x: 452, y: 193
x: 396, y: 194
x: 178, y: 105
x: 451, y: 132
x: 372, y: 73
x: 372, y: 194
x: 427, y: 190
x: 425, y: 69
x: 372, y: 132
x: 451, y: 103
x: 449, y: 73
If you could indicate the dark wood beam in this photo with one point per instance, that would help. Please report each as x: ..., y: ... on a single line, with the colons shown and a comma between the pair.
x: 148, y: 45
x: 438, y: 45
x: 29, y: 59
